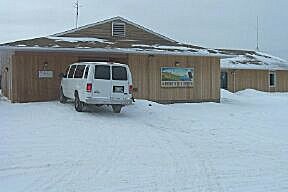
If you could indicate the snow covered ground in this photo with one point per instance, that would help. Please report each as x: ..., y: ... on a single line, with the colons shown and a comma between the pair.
x: 238, y: 145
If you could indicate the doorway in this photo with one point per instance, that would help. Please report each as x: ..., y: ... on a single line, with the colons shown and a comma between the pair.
x: 224, y: 80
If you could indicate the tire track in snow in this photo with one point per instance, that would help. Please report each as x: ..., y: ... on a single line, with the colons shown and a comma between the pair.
x: 181, y: 158
x: 204, y: 165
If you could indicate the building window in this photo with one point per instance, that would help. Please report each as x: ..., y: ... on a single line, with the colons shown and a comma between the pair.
x: 118, y: 30
x: 272, y: 79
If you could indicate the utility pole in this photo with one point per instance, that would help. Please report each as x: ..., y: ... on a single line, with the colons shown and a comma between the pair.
x: 76, y: 6
x: 257, y: 47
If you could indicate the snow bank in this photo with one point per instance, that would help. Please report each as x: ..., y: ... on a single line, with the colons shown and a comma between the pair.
x: 238, y: 145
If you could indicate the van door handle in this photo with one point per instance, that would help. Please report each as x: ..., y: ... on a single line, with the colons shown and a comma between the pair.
x: 97, y: 91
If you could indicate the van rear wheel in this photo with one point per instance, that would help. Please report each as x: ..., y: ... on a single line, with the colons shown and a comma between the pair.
x: 79, y: 105
x: 116, y: 108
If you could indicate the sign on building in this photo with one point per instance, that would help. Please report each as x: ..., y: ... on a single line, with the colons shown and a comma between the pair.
x: 176, y: 77
x: 45, y: 74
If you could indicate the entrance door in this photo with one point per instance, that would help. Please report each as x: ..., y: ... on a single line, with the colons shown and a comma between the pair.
x: 224, y: 80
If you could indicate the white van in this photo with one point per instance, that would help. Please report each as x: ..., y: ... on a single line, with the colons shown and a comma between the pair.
x: 98, y: 83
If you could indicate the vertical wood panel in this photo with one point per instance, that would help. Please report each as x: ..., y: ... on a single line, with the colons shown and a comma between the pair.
x: 206, y: 81
x: 28, y: 86
x: 256, y: 79
x: 145, y: 72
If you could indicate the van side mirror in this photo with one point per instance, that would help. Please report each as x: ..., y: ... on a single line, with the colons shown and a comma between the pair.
x: 62, y: 75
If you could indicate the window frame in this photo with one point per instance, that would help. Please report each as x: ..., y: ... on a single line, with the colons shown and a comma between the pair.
x: 273, y: 73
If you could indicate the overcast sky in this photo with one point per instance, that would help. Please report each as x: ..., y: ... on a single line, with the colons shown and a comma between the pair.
x: 208, y: 23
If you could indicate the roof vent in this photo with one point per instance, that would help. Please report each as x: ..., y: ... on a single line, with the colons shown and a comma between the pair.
x: 118, y: 29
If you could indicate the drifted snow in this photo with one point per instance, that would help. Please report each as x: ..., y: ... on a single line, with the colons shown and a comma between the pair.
x: 238, y: 145
x: 258, y: 60
x: 78, y: 39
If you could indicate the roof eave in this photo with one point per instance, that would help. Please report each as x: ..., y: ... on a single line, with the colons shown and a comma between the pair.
x: 101, y: 50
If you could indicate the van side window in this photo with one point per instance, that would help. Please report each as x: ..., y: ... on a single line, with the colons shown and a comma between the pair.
x: 102, y: 72
x: 119, y: 73
x: 71, y: 71
x: 66, y: 72
x: 86, y: 72
x: 79, y: 71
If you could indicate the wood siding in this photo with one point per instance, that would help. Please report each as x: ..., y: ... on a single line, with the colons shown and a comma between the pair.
x: 241, y: 79
x: 27, y: 86
x: 105, y: 31
x: 147, y: 78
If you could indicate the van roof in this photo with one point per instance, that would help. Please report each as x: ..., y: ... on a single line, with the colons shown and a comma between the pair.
x: 99, y: 63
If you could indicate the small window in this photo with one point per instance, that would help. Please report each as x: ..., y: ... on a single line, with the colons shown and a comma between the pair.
x: 79, y: 71
x: 71, y: 71
x: 119, y: 73
x: 86, y: 72
x: 102, y: 72
x: 118, y: 30
x: 272, y: 79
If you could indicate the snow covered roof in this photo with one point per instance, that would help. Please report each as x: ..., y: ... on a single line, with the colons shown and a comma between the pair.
x: 89, y: 39
x: 253, y: 60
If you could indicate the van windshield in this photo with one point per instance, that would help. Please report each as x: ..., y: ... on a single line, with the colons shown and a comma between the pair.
x: 119, y: 73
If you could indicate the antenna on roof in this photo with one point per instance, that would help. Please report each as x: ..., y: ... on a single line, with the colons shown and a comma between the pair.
x: 77, y: 6
x: 257, y: 47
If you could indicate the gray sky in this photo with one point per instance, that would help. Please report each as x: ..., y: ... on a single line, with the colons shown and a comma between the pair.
x: 208, y: 23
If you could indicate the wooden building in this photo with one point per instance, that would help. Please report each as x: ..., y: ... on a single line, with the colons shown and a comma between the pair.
x: 253, y: 70
x: 163, y: 70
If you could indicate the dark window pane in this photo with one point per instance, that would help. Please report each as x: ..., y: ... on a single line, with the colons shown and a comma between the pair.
x: 119, y: 73
x: 71, y: 71
x: 79, y: 71
x: 272, y: 79
x: 102, y: 72
x: 86, y: 72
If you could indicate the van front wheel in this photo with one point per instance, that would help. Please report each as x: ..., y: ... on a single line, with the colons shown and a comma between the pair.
x: 62, y: 98
x: 116, y: 108
x: 79, y: 105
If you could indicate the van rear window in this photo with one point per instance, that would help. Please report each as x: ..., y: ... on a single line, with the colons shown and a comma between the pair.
x: 102, y: 72
x: 119, y: 73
